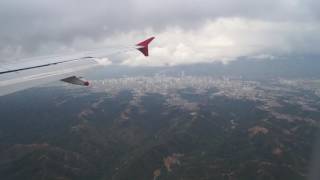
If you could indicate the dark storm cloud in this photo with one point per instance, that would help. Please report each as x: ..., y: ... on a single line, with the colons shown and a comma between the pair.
x: 26, y: 26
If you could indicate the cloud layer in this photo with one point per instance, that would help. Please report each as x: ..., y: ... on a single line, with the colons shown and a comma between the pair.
x: 187, y: 31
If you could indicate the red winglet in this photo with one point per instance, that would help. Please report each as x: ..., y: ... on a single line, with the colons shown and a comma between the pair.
x: 143, y: 46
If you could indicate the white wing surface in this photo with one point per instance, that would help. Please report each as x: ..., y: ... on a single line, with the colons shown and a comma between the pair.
x: 67, y: 68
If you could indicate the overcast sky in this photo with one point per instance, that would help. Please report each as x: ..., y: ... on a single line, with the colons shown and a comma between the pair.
x: 187, y: 31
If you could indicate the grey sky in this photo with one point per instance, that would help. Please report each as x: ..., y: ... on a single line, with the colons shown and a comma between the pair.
x: 40, y: 26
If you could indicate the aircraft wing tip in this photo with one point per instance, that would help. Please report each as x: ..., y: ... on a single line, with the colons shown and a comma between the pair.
x: 143, y: 46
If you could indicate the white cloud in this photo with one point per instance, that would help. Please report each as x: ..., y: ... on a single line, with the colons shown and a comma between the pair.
x: 227, y: 39
x: 103, y: 61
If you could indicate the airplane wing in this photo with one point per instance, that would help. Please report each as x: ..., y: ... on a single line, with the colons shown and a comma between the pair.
x: 33, y: 72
